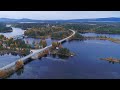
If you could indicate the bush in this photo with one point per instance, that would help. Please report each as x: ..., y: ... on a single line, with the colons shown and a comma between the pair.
x: 19, y: 64
x: 2, y: 74
x: 63, y: 51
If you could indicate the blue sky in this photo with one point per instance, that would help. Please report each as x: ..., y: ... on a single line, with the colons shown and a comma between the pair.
x: 55, y: 15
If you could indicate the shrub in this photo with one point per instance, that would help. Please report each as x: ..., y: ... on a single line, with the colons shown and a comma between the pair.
x: 19, y: 64
x: 63, y: 51
x: 2, y: 74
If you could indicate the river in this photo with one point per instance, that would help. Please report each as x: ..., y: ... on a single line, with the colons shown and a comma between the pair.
x: 84, y: 65
x: 15, y: 32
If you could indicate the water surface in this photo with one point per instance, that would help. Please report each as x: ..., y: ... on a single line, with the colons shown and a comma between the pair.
x: 84, y: 65
x: 108, y: 35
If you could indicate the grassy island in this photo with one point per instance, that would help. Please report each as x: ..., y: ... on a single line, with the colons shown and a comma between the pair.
x: 110, y: 59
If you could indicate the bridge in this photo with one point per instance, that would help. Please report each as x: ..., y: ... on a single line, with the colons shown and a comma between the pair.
x: 24, y: 59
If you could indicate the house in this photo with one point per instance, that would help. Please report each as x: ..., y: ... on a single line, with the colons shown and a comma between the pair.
x: 57, y: 48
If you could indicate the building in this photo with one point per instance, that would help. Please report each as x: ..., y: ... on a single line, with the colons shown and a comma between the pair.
x: 57, y: 48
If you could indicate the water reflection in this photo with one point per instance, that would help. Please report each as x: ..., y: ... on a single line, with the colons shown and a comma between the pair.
x: 28, y: 61
x: 11, y: 53
x: 107, y: 35
x: 76, y: 40
x: 59, y: 56
x: 45, y: 55
x: 63, y: 57
x: 40, y: 58
x: 16, y: 31
x: 54, y: 55
x: 20, y: 71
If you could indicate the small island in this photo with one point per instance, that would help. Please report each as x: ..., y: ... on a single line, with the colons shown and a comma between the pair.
x: 110, y: 59
x: 58, y: 49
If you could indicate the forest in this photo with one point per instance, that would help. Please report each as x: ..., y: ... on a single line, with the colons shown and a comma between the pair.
x: 4, y: 29
x: 96, y: 27
x: 45, y: 32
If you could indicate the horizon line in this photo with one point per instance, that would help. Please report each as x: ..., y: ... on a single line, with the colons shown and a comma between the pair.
x: 57, y: 19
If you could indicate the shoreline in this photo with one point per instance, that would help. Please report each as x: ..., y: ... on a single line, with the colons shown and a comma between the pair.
x: 102, y: 38
x: 3, y: 52
x: 110, y: 59
x: 55, y: 52
x: 7, y: 31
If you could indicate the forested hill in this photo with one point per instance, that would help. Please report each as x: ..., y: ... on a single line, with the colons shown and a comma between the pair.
x: 111, y: 19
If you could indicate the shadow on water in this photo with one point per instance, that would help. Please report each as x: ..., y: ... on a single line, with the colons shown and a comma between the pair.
x: 11, y: 53
x: 14, y: 54
x: 45, y: 55
x: 63, y: 41
x: 28, y: 61
x: 111, y: 62
x: 59, y: 56
x: 40, y: 58
x: 54, y: 55
x: 20, y: 71
x: 63, y: 57
x: 76, y: 40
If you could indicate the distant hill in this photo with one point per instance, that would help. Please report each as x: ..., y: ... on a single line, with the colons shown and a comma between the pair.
x: 110, y: 19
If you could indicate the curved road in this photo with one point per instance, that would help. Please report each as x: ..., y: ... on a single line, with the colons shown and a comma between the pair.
x: 35, y: 52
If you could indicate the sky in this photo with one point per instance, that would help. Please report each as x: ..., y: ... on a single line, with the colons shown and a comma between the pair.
x: 58, y: 15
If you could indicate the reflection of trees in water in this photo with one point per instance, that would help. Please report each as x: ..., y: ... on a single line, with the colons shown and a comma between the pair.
x: 63, y: 57
x: 14, y: 54
x: 40, y: 58
x: 8, y: 53
x: 28, y: 61
x: 111, y: 62
x: 20, y: 71
x: 54, y: 55
x: 11, y: 53
x: 76, y: 40
x: 45, y: 55
x: 1, y: 54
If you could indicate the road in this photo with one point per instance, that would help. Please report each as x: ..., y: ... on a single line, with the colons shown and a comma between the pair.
x: 36, y: 52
